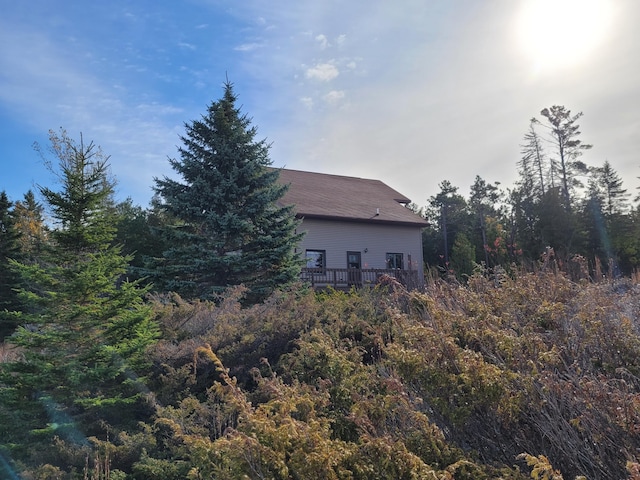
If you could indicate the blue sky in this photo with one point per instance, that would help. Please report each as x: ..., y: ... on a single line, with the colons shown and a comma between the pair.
x: 408, y: 92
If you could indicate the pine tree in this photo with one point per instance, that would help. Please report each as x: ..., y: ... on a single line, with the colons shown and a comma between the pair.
x: 565, y: 139
x: 596, y: 242
x: 85, y: 333
x: 230, y: 230
x: 556, y: 225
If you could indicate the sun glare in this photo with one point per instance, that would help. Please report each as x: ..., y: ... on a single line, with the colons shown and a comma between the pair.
x: 557, y: 34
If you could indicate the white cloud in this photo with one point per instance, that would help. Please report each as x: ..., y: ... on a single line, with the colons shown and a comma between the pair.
x: 334, y: 96
x: 188, y: 46
x: 307, y: 102
x: 322, y: 41
x: 323, y: 72
x: 248, y: 47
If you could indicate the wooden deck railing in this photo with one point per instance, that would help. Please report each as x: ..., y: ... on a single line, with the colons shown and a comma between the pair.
x: 341, y: 278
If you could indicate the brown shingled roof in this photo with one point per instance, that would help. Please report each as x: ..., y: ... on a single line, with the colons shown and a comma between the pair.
x: 318, y: 195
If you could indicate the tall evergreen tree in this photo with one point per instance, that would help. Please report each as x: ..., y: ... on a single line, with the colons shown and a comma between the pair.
x: 556, y: 225
x: 617, y: 228
x: 565, y: 138
x: 449, y: 215
x: 483, y: 201
x: 533, y: 163
x: 523, y: 223
x: 85, y: 334
x: 614, y: 196
x: 9, y: 279
x: 595, y: 233
x: 230, y: 229
x: 29, y: 221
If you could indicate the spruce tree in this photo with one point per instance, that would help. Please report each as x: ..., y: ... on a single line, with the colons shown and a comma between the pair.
x: 229, y: 229
x: 9, y: 279
x: 449, y: 211
x: 524, y: 217
x: 615, y: 197
x: 617, y: 227
x: 28, y: 216
x: 483, y: 203
x: 85, y: 333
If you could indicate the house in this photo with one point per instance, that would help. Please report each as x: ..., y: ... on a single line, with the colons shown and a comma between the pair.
x: 356, y: 230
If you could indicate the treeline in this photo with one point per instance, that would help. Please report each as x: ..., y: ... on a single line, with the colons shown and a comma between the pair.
x: 560, y: 206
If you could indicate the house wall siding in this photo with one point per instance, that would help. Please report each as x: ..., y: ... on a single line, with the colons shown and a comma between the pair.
x: 337, y: 238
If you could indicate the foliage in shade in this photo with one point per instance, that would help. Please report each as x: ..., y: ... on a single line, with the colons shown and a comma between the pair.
x: 229, y: 229
x: 9, y: 279
x: 29, y: 221
x: 136, y: 234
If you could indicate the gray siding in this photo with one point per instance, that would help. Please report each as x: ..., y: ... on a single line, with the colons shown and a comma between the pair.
x: 372, y: 241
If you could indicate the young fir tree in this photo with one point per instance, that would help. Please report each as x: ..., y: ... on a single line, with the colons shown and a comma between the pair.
x: 230, y: 229
x: 85, y: 330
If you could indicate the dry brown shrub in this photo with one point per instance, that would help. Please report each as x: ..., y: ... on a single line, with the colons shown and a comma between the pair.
x: 556, y: 367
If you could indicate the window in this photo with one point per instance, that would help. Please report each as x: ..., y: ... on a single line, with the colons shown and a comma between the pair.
x: 395, y: 261
x: 316, y: 258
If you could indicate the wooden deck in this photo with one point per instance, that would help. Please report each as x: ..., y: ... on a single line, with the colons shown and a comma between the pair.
x: 346, y: 278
